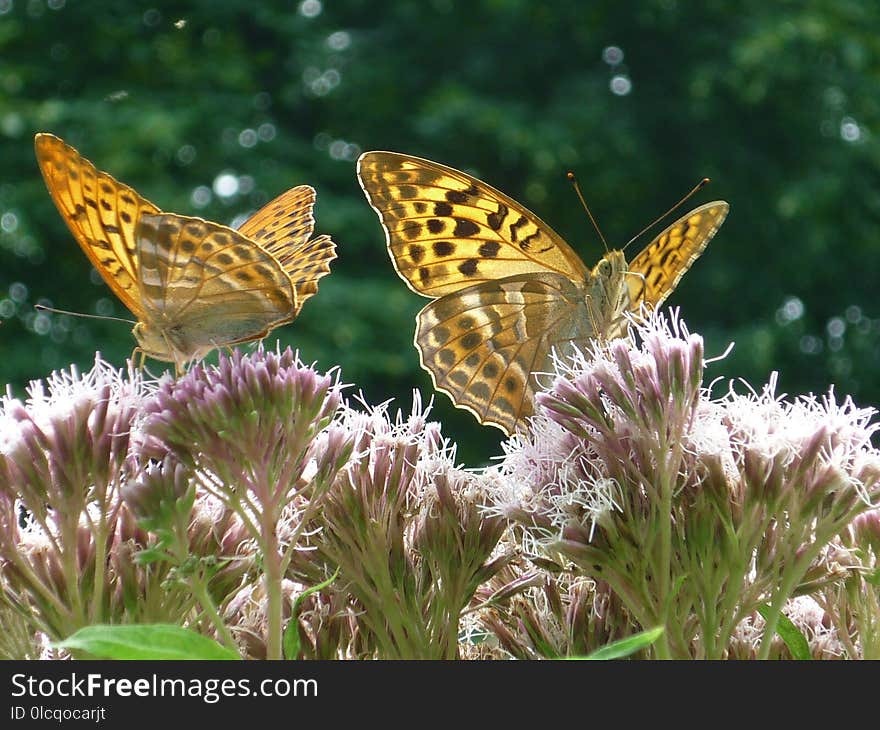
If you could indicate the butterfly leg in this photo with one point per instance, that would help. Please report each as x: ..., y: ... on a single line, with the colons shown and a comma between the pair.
x: 594, y: 322
x: 139, y: 354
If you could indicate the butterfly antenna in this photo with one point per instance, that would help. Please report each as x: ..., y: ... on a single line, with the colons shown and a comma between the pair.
x: 42, y: 308
x: 699, y: 186
x: 577, y: 188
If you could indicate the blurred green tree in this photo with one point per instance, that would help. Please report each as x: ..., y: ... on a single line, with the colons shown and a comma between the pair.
x: 212, y: 109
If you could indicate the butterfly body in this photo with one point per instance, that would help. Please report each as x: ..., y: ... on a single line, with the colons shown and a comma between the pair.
x: 193, y: 285
x: 507, y: 290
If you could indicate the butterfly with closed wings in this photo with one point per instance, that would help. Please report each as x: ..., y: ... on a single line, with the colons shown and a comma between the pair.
x: 193, y: 285
x: 508, y: 291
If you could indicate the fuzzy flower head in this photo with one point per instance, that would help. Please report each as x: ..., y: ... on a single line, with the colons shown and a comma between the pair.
x: 249, y: 422
x: 615, y: 400
x: 67, y: 443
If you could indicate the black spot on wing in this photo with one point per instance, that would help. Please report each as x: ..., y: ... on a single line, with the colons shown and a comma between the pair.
x: 411, y: 230
x: 443, y: 248
x: 515, y: 226
x: 465, y: 228
x: 456, y: 196
x: 471, y: 340
x: 489, y: 249
x: 468, y: 267
x: 526, y: 243
x: 495, y: 220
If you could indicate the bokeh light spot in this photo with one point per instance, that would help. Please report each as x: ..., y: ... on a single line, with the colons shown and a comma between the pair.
x: 9, y: 222
x: 247, y: 138
x: 310, y: 8
x: 620, y: 85
x: 225, y: 185
x: 18, y: 292
x: 612, y: 55
x: 201, y: 196
x: 339, y: 41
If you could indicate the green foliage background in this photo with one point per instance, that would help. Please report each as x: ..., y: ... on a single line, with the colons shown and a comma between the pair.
x: 779, y: 103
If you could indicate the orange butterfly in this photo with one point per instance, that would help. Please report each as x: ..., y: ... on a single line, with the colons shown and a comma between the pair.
x: 193, y: 285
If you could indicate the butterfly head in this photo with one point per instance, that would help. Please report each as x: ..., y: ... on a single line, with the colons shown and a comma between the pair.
x: 154, y: 343
x: 607, y: 294
x: 611, y: 266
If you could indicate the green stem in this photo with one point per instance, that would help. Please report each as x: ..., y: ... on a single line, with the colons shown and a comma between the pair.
x: 200, y: 590
x: 789, y: 582
x: 664, y: 514
x: 272, y: 577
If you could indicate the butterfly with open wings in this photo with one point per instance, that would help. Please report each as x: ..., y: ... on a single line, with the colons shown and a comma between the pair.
x: 507, y: 290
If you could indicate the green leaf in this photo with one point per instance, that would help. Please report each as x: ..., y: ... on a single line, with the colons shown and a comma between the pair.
x: 872, y: 577
x: 795, y: 640
x: 625, y: 647
x: 150, y: 555
x: 290, y: 640
x: 145, y: 641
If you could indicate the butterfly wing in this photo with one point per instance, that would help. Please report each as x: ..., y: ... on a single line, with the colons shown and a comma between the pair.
x: 100, y: 211
x: 660, y: 266
x: 284, y: 227
x: 484, y: 344
x: 204, y: 285
x: 447, y: 231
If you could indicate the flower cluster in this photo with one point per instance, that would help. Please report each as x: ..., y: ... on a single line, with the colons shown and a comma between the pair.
x: 255, y: 433
x: 249, y: 502
x: 695, y: 511
x: 405, y: 527
x: 65, y: 539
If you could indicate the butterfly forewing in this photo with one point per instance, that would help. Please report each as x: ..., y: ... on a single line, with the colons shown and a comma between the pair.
x: 206, y: 285
x: 656, y: 271
x: 100, y: 211
x: 485, y: 344
x: 446, y: 230
x: 284, y: 227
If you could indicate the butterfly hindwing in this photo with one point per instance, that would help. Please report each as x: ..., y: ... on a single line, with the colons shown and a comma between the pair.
x: 206, y: 285
x: 484, y: 345
x: 446, y: 230
x: 284, y: 228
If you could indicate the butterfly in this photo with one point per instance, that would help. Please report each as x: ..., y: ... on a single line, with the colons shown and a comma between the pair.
x: 508, y: 291
x: 193, y: 285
